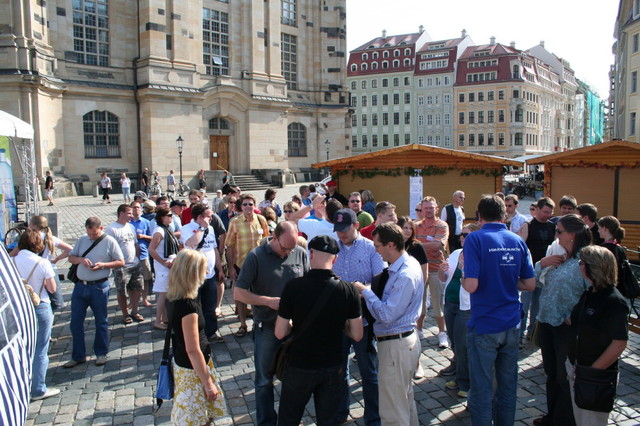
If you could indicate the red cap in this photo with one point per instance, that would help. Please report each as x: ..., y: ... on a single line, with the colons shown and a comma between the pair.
x: 332, y: 183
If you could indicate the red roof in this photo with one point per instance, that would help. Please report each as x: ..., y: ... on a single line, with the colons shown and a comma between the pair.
x: 392, y: 41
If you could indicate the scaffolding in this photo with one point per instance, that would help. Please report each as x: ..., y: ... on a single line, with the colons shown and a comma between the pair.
x: 25, y: 149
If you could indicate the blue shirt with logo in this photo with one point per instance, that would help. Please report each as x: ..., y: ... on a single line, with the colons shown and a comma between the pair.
x: 497, y: 258
x: 143, y: 226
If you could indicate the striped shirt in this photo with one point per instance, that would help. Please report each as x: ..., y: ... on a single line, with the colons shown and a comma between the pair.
x: 438, y: 230
x: 244, y: 235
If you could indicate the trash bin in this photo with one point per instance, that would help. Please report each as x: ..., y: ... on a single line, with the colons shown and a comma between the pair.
x: 96, y: 191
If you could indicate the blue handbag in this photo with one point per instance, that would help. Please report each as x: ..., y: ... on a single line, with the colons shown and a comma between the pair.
x: 165, y: 384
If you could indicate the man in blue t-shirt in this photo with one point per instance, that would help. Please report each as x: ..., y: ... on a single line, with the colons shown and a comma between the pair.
x: 496, y: 265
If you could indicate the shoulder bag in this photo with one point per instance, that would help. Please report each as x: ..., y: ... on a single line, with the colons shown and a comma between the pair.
x: 594, y: 388
x: 72, y: 274
x: 165, y: 384
x: 281, y: 358
x: 35, y: 297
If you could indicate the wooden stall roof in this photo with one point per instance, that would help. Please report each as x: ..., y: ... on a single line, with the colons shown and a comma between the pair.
x: 613, y: 153
x: 417, y: 156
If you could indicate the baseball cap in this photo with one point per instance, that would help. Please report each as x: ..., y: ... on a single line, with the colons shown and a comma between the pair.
x: 332, y: 183
x: 343, y: 219
x: 178, y: 203
x: 324, y: 243
x: 141, y: 194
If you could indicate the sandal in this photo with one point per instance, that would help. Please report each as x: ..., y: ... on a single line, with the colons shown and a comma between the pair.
x: 137, y: 317
x: 127, y: 320
x: 160, y: 327
x: 242, y: 331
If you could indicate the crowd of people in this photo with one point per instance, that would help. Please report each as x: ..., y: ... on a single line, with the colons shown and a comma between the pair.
x: 331, y: 274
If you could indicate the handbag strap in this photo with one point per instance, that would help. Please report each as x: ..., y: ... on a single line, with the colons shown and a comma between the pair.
x: 95, y: 243
x: 317, y: 307
x: 167, y: 342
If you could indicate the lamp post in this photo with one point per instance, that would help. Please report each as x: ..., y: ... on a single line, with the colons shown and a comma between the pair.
x: 326, y: 144
x: 180, y: 145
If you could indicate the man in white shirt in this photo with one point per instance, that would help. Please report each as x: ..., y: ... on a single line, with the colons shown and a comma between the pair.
x: 453, y: 214
x: 199, y: 235
x: 314, y: 227
x: 129, y: 277
x: 514, y: 219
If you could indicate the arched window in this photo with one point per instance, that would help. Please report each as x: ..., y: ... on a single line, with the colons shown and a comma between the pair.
x: 101, y: 135
x: 218, y: 123
x: 396, y: 63
x: 407, y: 62
x: 297, y: 137
x: 385, y: 64
x: 374, y: 55
x: 364, y: 67
x: 365, y: 56
x: 396, y: 53
x: 374, y: 66
x: 354, y: 67
x: 385, y: 54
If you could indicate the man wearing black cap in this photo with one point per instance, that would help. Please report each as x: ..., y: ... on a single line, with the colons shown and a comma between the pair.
x: 262, y: 277
x: 358, y: 261
x: 321, y: 307
x: 394, y: 303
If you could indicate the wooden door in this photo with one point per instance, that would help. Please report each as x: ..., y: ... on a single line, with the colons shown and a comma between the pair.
x: 218, y: 152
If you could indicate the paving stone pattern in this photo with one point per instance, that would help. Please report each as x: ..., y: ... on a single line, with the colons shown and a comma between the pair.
x: 121, y: 392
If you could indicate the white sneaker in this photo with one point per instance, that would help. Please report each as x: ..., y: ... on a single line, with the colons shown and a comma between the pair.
x: 443, y: 342
x: 50, y: 392
x: 419, y: 374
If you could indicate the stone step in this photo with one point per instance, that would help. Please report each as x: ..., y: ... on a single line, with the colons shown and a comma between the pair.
x: 252, y: 183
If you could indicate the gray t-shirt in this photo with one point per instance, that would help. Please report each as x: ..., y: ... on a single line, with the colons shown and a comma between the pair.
x: 107, y: 250
x: 265, y: 273
x: 127, y: 239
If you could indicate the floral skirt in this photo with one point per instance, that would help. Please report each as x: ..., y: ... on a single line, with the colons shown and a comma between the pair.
x: 189, y: 404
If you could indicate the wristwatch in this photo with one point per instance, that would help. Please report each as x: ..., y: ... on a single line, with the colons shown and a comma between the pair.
x: 203, y: 228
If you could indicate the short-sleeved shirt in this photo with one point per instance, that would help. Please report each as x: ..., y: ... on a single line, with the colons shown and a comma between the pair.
x: 208, y: 248
x: 358, y: 262
x: 105, y: 182
x: 600, y: 317
x: 312, y: 228
x: 178, y: 310
x: 125, y: 182
x: 439, y: 231
x: 46, y: 254
x: 127, y: 238
x: 244, y: 235
x: 25, y: 261
x: 143, y: 226
x: 320, y: 344
x: 417, y: 251
x: 48, y: 183
x: 106, y: 250
x: 265, y: 273
x: 497, y: 258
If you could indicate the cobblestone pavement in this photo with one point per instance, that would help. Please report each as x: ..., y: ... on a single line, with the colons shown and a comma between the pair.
x: 121, y: 392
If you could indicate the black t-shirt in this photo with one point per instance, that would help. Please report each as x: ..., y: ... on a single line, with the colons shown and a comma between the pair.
x: 417, y: 251
x: 320, y: 345
x: 596, y: 240
x: 48, y: 183
x: 600, y: 317
x: 178, y: 310
x: 619, y: 254
x: 144, y: 179
x: 540, y: 236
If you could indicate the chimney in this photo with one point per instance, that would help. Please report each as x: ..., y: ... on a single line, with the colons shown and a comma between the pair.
x: 464, y: 33
x: 512, y: 44
x: 421, y: 28
x: 384, y: 33
x: 492, y: 40
x: 542, y: 43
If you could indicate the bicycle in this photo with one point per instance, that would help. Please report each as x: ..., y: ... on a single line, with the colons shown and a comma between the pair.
x: 155, y: 189
x: 12, y: 236
x: 182, y: 190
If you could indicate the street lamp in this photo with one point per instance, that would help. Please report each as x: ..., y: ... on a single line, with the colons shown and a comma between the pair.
x: 326, y: 144
x: 180, y: 145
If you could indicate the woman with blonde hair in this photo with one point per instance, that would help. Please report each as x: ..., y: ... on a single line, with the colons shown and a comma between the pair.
x: 126, y: 187
x: 40, y: 224
x: 599, y: 331
x: 197, y: 397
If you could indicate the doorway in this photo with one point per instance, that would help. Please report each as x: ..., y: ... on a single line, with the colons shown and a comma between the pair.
x: 218, y: 152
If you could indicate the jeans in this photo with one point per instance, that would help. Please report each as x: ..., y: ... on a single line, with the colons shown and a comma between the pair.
x: 486, y: 351
x: 298, y: 386
x: 44, y: 316
x: 456, y: 322
x: 367, y: 364
x: 265, y: 346
x: 94, y: 296
x: 554, y: 344
x: 208, y: 293
x: 530, y: 305
x: 56, y: 298
x: 126, y: 193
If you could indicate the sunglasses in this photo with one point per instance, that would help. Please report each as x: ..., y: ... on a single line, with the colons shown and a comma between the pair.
x: 354, y: 201
x: 464, y: 234
x: 288, y: 211
x: 418, y: 210
x: 248, y: 204
x: 169, y: 215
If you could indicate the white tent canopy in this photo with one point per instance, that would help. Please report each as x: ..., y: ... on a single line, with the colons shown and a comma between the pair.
x: 14, y: 127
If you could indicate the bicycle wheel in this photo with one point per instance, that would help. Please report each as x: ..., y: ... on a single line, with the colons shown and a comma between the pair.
x: 12, y: 237
x: 183, y: 190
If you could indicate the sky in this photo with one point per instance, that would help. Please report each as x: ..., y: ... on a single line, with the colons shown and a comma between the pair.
x: 580, y: 31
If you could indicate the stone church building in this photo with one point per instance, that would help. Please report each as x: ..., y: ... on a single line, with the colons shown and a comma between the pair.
x: 109, y: 85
